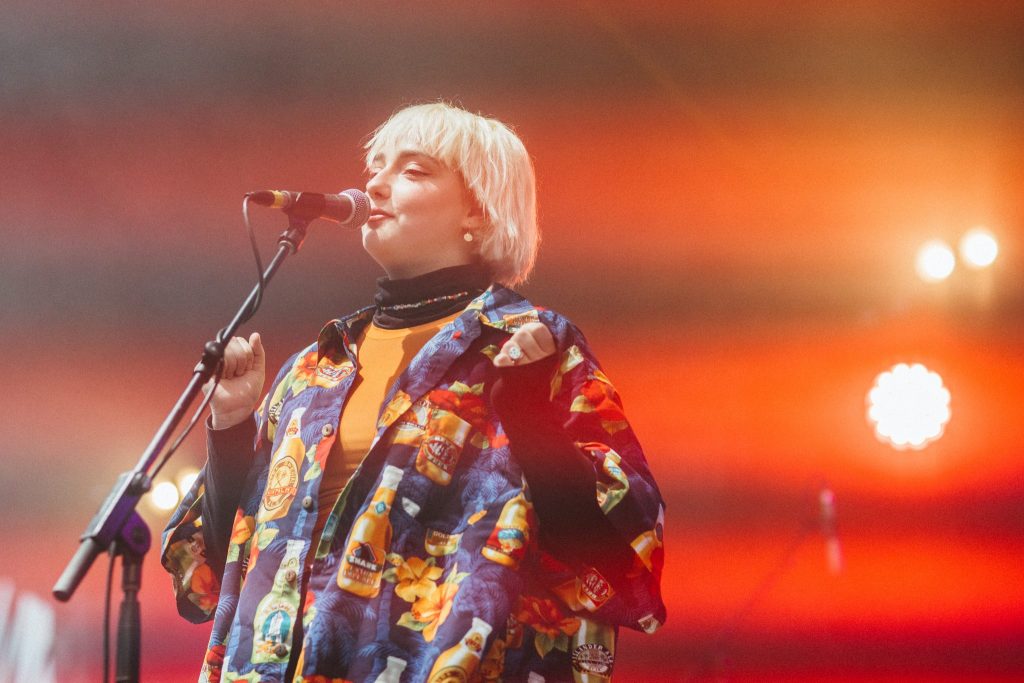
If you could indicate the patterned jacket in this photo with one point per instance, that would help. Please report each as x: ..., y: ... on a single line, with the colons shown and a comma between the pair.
x: 430, y: 559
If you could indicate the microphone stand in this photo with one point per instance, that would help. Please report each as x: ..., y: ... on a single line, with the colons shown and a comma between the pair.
x: 116, y: 526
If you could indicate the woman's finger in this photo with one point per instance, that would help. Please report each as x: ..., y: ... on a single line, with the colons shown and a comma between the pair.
x: 245, y: 362
x: 259, y: 356
x: 230, y: 359
x: 525, y: 341
x: 540, y: 333
x: 234, y: 358
x: 530, y: 343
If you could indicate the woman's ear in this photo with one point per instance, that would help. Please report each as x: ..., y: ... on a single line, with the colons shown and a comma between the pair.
x: 475, y: 217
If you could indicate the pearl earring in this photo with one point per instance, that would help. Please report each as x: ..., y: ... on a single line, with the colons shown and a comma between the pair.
x: 468, y: 236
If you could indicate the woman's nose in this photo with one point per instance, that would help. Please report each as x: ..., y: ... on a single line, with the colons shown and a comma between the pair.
x: 376, y: 186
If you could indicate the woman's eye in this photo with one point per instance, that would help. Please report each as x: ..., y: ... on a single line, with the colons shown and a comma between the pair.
x: 415, y: 171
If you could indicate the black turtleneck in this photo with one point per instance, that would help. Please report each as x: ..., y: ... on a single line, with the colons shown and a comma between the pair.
x: 465, y: 282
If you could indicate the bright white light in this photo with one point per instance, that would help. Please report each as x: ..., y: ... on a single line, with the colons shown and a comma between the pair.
x: 978, y: 248
x: 186, y: 478
x: 165, y: 495
x: 935, y: 261
x: 908, y: 406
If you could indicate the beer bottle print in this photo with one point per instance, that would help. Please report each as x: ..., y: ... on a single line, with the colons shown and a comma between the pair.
x: 283, y: 478
x: 459, y: 663
x: 507, y: 543
x: 441, y: 446
x: 592, y: 652
x: 276, y: 612
x: 393, y: 673
x: 363, y: 562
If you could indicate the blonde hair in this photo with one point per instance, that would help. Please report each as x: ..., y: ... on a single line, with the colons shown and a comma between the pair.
x: 495, y: 168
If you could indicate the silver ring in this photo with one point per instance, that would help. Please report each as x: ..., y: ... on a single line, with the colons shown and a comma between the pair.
x: 514, y: 352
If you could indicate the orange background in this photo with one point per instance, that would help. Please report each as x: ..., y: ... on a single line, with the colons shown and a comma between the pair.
x: 732, y: 195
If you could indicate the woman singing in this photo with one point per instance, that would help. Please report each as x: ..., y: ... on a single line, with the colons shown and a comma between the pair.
x: 443, y: 487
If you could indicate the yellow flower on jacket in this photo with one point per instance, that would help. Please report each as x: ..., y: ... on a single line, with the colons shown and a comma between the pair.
x: 244, y: 526
x: 434, y: 608
x: 416, y: 579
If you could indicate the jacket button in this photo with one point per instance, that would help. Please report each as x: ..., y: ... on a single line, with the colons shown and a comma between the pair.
x: 290, y: 576
x: 328, y: 429
x: 307, y: 502
x: 280, y: 650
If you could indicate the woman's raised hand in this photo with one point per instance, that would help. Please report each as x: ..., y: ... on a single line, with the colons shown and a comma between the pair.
x: 241, y: 383
x: 530, y: 343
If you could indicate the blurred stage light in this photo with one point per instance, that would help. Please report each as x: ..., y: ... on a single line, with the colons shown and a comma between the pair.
x: 935, y: 261
x: 165, y: 495
x: 185, y: 478
x: 978, y: 248
x: 908, y: 406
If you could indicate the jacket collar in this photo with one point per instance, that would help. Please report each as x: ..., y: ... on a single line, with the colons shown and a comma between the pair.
x: 497, y: 307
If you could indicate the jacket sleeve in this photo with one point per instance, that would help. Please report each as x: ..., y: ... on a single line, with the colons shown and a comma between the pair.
x: 210, y: 528
x: 599, y: 510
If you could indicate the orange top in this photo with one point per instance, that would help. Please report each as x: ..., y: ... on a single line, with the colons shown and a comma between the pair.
x: 383, y: 356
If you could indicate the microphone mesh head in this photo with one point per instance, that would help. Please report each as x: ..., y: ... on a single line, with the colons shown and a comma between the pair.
x: 360, y: 207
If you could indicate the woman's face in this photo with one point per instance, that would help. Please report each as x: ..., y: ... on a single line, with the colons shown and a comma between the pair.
x: 420, y: 211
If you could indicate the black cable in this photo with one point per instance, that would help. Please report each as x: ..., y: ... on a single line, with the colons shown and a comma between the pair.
x: 260, y: 282
x: 249, y: 313
x: 188, y: 428
x: 106, y: 616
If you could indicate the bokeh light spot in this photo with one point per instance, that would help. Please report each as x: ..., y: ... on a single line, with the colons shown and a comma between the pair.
x: 978, y: 248
x: 165, y: 495
x: 935, y: 261
x: 908, y: 406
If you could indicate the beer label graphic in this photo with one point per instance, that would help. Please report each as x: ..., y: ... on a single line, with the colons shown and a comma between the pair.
x: 649, y: 624
x: 276, y: 612
x: 594, y: 590
x: 329, y: 375
x: 276, y: 627
x: 459, y: 664
x: 441, y: 447
x: 508, y: 542
x: 594, y: 659
x: 395, y: 408
x: 475, y: 643
x: 512, y: 323
x: 410, y: 425
x: 282, y: 483
x: 441, y: 451
x: 363, y: 563
x: 438, y: 543
x: 592, y: 652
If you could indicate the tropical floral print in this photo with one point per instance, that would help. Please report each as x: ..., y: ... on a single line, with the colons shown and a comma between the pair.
x: 552, y: 625
x: 439, y: 569
x: 597, y: 395
x: 416, y: 582
x: 416, y: 578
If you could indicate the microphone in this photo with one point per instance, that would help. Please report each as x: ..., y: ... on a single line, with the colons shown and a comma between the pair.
x: 351, y: 207
x: 833, y: 551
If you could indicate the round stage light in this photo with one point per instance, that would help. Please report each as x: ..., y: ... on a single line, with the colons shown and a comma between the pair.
x: 908, y: 406
x: 185, y: 478
x: 165, y: 495
x: 935, y: 261
x: 978, y: 248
